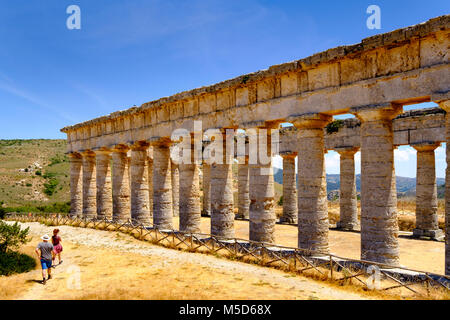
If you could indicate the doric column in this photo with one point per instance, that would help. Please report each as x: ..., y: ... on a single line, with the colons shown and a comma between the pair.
x: 190, y: 210
x: 426, y: 193
x: 121, y: 185
x: 76, y: 185
x: 347, y: 197
x: 379, y: 226
x: 312, y: 188
x: 162, y: 185
x: 261, y: 189
x: 222, y: 203
x: 290, y: 208
x: 243, y: 190
x: 104, y: 187
x: 89, y: 185
x: 139, y: 194
x: 206, y: 211
x: 150, y: 184
x: 175, y: 171
x: 445, y: 104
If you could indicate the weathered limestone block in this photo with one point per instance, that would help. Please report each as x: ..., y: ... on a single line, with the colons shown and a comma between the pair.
x: 426, y: 193
x: 445, y: 104
x: 162, y: 186
x: 222, y: 204
x: 243, y: 190
x: 150, y: 185
x: 262, y: 212
x: 347, y: 200
x: 139, y: 194
x: 121, y: 185
x: 89, y: 186
x: 312, y: 191
x: 206, y: 211
x: 104, y: 185
x: 379, y: 226
x: 190, y: 210
x: 76, y: 185
x: 290, y: 208
x: 175, y: 172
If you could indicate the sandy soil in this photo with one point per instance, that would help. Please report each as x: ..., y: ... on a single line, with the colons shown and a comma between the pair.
x: 112, y: 265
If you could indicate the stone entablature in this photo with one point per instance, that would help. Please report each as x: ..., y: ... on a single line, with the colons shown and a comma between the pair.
x: 404, y: 66
x: 410, y: 128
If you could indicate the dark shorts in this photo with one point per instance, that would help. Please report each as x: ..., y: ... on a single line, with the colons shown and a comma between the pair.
x: 46, y: 264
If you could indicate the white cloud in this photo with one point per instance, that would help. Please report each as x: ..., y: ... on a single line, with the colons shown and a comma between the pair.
x: 404, y: 154
x: 277, y: 162
x: 332, y: 162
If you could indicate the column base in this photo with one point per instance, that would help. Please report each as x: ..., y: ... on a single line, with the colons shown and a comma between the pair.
x: 347, y: 227
x: 433, y: 234
x: 288, y: 220
x: 241, y: 216
x: 206, y: 213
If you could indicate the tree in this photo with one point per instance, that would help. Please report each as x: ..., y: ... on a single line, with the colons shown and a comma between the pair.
x: 12, y: 236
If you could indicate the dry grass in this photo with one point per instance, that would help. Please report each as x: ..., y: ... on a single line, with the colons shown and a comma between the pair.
x: 112, y: 274
x: 128, y: 277
x: 8, y: 285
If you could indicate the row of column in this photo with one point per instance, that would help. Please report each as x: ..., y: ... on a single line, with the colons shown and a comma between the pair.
x: 379, y: 228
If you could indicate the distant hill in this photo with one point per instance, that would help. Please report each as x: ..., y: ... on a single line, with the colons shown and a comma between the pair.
x: 406, y: 187
x: 33, y: 172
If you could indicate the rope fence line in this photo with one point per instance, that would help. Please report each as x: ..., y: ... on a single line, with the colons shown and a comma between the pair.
x: 369, y: 275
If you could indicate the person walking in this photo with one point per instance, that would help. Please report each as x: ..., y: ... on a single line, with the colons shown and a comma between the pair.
x: 57, y: 247
x: 45, y: 254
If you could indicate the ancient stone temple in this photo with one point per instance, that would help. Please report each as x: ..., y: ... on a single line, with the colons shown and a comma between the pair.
x: 372, y: 80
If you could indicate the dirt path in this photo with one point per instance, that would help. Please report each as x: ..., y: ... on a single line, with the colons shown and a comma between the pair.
x: 116, y: 266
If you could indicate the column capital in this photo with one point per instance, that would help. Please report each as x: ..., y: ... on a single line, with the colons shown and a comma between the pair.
x: 369, y: 113
x: 425, y: 146
x: 310, y: 120
x: 288, y: 154
x: 74, y: 155
x: 87, y: 153
x: 161, y: 142
x: 346, y: 151
x: 120, y: 148
x: 139, y: 145
x: 102, y: 150
x: 442, y: 99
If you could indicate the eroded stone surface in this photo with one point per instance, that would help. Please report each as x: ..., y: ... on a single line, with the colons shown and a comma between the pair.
x: 89, y: 186
x: 243, y: 190
x: 290, y: 208
x: 379, y: 225
x: 347, y: 199
x: 140, y: 210
x: 76, y: 185
x: 121, y: 185
x: 162, y: 187
x: 104, y: 185
x: 312, y: 190
x: 426, y: 191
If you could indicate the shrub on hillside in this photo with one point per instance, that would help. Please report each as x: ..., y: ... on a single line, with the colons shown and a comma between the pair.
x: 12, y: 236
x: 15, y: 262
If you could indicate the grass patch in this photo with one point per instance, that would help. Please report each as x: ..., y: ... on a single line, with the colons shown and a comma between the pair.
x: 57, y: 207
x: 14, y: 262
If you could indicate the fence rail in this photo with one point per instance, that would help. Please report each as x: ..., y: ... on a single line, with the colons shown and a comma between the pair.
x: 370, y: 275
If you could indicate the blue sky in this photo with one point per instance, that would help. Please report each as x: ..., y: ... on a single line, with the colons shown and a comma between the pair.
x: 130, y: 52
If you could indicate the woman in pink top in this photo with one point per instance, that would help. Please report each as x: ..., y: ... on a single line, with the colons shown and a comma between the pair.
x: 57, y: 247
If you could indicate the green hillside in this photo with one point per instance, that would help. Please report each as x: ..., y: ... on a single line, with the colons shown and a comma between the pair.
x: 33, y: 173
